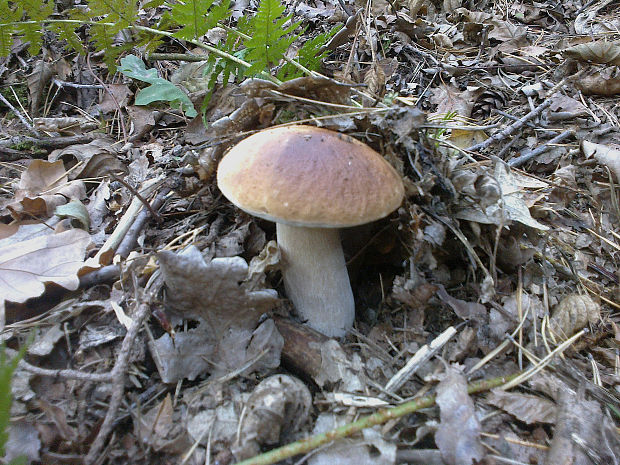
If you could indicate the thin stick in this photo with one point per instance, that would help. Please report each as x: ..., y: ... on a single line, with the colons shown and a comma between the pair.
x: 530, y: 155
x: 382, y: 416
x: 19, y: 115
x: 66, y: 374
x: 118, y: 376
x: 514, y: 127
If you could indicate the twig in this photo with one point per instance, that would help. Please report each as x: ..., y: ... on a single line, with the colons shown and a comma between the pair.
x: 523, y: 120
x: 531, y: 154
x: 382, y: 416
x: 423, y: 354
x: 19, y: 115
x: 66, y: 374
x: 514, y: 127
x: 148, y: 206
x: 61, y: 84
x: 114, y: 99
x: 112, y: 272
x: 191, y: 57
x: 118, y: 379
x: 50, y: 143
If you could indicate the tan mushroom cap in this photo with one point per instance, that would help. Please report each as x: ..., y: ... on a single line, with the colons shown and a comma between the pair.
x: 308, y: 176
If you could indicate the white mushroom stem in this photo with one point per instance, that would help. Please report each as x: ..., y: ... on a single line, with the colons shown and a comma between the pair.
x: 316, y: 278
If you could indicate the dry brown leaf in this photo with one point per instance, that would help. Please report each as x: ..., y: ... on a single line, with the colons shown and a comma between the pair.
x: 70, y: 124
x: 572, y: 314
x: 218, y: 295
x: 375, y: 80
x: 115, y: 96
x: 604, y: 154
x: 42, y: 187
x: 26, y: 267
x: 597, y: 84
x: 527, y: 408
x: 370, y: 449
x: 42, y: 73
x: 457, y: 413
x: 598, y: 51
x: 96, y: 159
x: 277, y: 408
x: 162, y: 429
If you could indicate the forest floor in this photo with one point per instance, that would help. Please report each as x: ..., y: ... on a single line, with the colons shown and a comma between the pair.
x: 150, y: 311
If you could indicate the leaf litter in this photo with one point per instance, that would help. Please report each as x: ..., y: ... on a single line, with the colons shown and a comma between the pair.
x: 503, y: 257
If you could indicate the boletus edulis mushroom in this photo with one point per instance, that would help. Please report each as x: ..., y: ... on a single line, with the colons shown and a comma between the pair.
x: 311, y: 182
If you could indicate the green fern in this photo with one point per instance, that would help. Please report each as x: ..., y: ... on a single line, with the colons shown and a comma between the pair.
x: 198, y: 16
x: 9, y: 14
x: 308, y: 56
x: 115, y: 16
x: 35, y: 10
x: 269, y: 38
x: 66, y: 32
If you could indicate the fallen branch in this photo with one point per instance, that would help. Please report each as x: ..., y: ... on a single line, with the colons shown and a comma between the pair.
x: 304, y: 446
x: 514, y: 127
x: 118, y: 378
x: 531, y: 154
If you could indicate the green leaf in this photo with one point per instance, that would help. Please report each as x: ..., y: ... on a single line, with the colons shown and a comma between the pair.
x: 159, y: 90
x: 269, y: 39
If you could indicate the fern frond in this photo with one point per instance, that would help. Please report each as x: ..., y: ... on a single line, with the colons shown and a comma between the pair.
x: 115, y: 15
x: 9, y: 14
x: 269, y: 38
x: 197, y: 16
x: 308, y: 56
x: 67, y: 33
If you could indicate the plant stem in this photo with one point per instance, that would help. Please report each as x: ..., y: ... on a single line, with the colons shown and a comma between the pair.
x: 382, y: 416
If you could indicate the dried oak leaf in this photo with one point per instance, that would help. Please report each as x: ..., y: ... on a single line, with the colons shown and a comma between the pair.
x: 277, y: 408
x: 218, y: 295
x: 527, y: 408
x: 572, y: 314
x: 42, y: 187
x: 26, y: 267
x: 457, y: 414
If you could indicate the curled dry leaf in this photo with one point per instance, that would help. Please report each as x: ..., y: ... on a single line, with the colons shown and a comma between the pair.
x: 95, y: 159
x: 42, y: 187
x: 599, y: 84
x: 598, y: 51
x: 26, y: 267
x: 279, y: 406
x: 370, y: 449
x: 457, y: 414
x: 572, y: 314
x: 604, y: 154
x: 162, y: 429
x: 71, y: 124
x: 527, y: 408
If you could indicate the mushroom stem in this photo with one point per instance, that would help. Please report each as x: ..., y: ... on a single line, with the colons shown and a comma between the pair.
x: 316, y: 278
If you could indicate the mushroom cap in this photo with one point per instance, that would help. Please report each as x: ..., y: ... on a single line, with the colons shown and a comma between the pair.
x: 310, y: 177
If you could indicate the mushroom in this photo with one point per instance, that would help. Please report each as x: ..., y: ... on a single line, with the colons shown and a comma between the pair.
x: 311, y: 181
